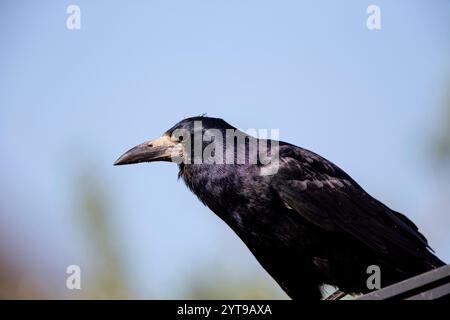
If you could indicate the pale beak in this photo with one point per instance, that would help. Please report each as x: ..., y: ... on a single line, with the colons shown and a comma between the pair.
x: 160, y: 149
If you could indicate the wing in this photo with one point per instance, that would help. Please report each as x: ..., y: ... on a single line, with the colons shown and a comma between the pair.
x: 330, y: 199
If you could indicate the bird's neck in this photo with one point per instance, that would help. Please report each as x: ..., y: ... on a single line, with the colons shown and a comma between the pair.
x: 195, y: 176
x: 207, y: 182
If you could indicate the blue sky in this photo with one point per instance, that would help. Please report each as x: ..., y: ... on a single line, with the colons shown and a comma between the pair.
x: 76, y: 99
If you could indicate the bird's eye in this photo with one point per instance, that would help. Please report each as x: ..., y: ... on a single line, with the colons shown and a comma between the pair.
x: 180, y: 139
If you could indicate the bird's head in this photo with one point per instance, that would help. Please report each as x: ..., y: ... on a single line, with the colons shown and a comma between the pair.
x: 177, y: 144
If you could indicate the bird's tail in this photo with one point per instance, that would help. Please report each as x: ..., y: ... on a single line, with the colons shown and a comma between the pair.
x: 433, y: 261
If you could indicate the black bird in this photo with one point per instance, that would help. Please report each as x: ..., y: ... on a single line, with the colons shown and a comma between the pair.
x: 308, y: 223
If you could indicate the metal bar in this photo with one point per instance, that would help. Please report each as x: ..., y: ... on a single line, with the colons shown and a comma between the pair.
x: 433, y: 284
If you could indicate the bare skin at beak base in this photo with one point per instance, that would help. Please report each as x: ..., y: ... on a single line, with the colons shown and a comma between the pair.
x: 154, y: 150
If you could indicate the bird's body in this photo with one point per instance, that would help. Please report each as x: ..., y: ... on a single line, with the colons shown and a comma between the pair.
x: 310, y: 223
